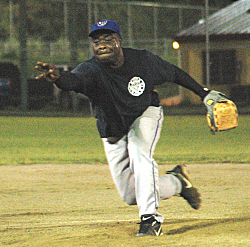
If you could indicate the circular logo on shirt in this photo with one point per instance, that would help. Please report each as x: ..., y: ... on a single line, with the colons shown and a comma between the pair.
x: 136, y: 86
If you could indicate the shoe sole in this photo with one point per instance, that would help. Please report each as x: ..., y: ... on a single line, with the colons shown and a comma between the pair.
x: 149, y: 234
x: 189, y: 192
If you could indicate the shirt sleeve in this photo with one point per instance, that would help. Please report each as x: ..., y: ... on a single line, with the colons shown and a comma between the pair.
x: 81, y: 80
x: 70, y: 82
x: 183, y: 79
x: 167, y: 72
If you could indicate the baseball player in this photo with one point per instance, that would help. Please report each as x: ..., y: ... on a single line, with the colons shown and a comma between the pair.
x: 120, y: 85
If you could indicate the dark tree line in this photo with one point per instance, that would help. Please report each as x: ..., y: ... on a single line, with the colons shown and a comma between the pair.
x: 45, y: 19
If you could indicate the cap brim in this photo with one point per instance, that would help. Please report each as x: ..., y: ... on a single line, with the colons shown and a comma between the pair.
x: 101, y: 31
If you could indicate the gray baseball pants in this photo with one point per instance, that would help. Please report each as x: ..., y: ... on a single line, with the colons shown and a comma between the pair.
x: 134, y: 171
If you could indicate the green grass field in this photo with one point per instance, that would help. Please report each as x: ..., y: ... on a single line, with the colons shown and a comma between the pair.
x: 184, y: 139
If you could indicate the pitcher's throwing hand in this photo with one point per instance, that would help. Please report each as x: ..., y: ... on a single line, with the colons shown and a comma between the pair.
x: 49, y: 71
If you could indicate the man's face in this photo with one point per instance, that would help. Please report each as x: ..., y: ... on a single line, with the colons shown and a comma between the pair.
x: 107, y: 47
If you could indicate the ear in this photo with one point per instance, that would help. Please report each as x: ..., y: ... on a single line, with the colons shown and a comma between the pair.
x: 120, y: 41
x: 119, y: 38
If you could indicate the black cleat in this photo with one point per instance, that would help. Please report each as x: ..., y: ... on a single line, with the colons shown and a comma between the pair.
x: 188, y: 192
x: 149, y: 226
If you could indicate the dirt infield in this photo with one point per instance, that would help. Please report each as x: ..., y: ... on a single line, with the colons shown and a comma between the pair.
x: 77, y: 205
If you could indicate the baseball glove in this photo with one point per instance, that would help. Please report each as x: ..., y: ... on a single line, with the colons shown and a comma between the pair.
x: 222, y: 113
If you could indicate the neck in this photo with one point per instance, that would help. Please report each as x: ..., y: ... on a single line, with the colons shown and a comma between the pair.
x: 114, y: 63
x: 118, y: 62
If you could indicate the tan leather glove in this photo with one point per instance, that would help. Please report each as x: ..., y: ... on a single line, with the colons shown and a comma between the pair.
x: 222, y: 113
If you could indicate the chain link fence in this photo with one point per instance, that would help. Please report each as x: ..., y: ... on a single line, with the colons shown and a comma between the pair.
x: 145, y: 25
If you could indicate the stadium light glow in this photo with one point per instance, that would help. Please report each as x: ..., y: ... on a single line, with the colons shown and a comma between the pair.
x: 176, y: 45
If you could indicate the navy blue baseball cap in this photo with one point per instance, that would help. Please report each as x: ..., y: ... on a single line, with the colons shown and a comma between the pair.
x: 105, y: 25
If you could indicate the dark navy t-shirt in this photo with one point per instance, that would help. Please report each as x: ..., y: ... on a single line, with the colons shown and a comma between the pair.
x: 120, y: 95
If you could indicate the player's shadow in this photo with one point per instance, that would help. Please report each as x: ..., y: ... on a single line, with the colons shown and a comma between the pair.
x: 200, y: 225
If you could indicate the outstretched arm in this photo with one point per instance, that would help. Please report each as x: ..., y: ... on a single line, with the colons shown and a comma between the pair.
x: 185, y: 80
x: 66, y: 80
x: 221, y: 111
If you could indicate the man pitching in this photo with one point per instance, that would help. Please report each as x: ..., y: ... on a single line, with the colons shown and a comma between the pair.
x: 120, y: 85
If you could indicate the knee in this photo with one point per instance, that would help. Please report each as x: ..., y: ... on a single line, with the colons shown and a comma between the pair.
x: 129, y: 199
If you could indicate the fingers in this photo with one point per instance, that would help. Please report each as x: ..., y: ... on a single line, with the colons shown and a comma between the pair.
x: 43, y: 66
x: 49, y: 71
x: 39, y: 76
x: 53, y: 74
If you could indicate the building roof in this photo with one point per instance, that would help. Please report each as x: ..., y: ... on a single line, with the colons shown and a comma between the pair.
x: 233, y: 21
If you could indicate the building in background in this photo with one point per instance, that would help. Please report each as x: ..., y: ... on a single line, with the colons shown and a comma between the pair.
x: 229, y: 52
